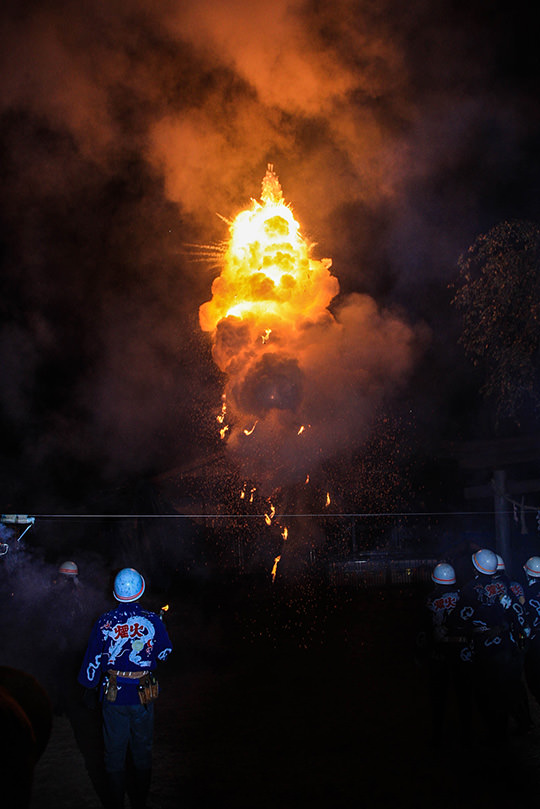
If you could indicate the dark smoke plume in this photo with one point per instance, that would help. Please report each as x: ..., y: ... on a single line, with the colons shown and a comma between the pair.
x: 400, y: 132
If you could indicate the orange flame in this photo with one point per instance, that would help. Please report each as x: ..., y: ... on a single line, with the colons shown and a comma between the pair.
x: 328, y: 501
x: 270, y: 516
x: 267, y: 269
x: 250, y: 432
x: 221, y: 416
x: 274, y: 569
x: 285, y: 533
x: 269, y: 284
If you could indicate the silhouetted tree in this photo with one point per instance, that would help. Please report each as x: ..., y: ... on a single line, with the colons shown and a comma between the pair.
x: 498, y: 293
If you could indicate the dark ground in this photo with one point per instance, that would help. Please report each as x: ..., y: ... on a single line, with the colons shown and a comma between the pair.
x: 298, y: 696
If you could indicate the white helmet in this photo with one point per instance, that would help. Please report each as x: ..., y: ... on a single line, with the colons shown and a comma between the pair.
x: 532, y: 567
x: 128, y: 585
x: 443, y: 573
x: 485, y: 561
x: 500, y: 563
x: 68, y: 569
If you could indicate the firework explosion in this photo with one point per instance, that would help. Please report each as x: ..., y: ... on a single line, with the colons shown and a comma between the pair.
x: 302, y: 381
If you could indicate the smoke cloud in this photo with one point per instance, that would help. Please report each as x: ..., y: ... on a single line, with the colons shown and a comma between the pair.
x: 399, y: 133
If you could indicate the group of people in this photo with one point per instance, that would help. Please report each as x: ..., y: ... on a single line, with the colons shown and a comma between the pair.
x: 483, y: 636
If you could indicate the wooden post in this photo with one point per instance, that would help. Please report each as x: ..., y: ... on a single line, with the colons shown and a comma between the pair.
x: 502, y: 518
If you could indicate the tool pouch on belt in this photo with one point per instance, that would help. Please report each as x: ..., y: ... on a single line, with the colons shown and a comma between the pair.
x: 148, y: 688
x: 111, y: 687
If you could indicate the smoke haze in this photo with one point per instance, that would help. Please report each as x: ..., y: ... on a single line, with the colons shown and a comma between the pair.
x: 399, y: 133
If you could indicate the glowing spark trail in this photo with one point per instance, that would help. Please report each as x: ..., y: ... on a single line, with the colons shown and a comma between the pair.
x: 270, y: 516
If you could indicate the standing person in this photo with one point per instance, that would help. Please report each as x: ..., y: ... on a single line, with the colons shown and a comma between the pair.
x: 124, y: 648
x: 65, y: 643
x: 507, y: 588
x: 449, y: 655
x: 532, y: 653
x: 486, y: 612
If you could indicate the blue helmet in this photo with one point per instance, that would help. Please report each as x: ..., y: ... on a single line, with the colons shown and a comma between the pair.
x: 532, y: 567
x: 485, y: 561
x: 128, y: 585
x: 69, y: 568
x: 443, y: 573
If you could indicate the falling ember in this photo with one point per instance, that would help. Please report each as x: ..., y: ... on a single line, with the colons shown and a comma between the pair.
x: 285, y: 533
x: 270, y: 516
x: 306, y: 480
x: 250, y: 432
x: 243, y: 493
x: 266, y: 335
x: 301, y: 430
x: 328, y: 501
x: 221, y: 416
x: 252, y: 494
x: 223, y: 431
x: 274, y: 569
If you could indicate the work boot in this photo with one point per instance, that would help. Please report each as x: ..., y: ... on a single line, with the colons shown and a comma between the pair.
x: 141, y: 788
x: 116, y: 785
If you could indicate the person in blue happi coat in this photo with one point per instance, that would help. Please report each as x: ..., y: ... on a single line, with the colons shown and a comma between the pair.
x: 486, y: 609
x: 449, y: 656
x: 125, y: 646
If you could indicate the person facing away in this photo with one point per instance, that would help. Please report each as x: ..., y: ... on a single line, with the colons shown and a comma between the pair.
x: 486, y: 611
x: 532, y: 649
x: 124, y: 648
x: 508, y: 588
x: 449, y: 655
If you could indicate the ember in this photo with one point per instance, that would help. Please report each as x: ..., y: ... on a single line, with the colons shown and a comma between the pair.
x: 274, y: 569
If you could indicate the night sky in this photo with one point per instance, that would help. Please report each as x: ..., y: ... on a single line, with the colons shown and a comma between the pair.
x: 399, y: 131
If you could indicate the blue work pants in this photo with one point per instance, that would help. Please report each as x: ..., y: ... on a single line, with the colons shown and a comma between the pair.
x: 128, y: 725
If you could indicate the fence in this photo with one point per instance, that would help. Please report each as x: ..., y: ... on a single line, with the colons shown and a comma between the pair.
x: 380, y: 570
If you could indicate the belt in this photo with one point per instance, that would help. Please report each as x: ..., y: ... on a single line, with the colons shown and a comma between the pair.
x: 492, y: 631
x: 129, y: 675
x: 454, y: 639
